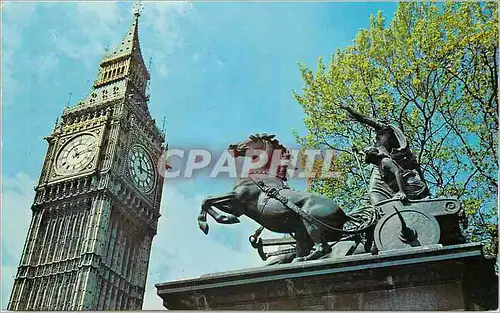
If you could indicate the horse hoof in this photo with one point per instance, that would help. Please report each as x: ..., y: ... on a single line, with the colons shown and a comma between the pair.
x: 299, y: 259
x: 229, y: 220
x: 203, y: 227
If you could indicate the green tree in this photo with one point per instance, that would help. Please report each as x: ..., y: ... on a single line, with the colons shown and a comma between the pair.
x: 433, y: 72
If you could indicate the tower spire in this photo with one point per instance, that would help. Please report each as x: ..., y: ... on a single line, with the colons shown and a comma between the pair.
x: 137, y: 9
x: 125, y: 61
x: 130, y: 43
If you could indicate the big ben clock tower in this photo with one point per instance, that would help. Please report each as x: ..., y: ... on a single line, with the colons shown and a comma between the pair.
x: 97, y: 201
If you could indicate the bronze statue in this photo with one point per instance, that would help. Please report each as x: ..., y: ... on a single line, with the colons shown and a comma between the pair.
x: 389, y: 140
x: 314, y: 220
x: 404, y: 219
x: 390, y: 180
x: 391, y: 143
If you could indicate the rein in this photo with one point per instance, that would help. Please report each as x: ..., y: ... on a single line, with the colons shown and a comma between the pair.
x: 273, y: 192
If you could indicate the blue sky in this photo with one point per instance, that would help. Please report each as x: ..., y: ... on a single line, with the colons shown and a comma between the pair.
x: 220, y: 71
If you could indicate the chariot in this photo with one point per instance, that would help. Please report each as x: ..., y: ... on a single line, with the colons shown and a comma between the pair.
x: 317, y: 224
x: 399, y: 225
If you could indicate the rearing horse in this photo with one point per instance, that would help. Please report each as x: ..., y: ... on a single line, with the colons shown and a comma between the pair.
x: 248, y: 199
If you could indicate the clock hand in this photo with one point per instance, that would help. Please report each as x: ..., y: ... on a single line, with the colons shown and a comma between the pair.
x: 77, y: 153
x: 146, y: 170
x: 136, y: 166
x: 86, y: 150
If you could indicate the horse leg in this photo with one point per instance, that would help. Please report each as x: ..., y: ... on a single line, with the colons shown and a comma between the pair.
x: 321, y: 246
x: 202, y: 221
x: 370, y: 241
x: 224, y: 206
x: 303, y: 246
x: 219, y: 218
x: 304, y: 243
x: 206, y: 207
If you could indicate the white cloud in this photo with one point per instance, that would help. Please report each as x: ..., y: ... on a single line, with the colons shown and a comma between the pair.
x: 98, y: 18
x: 17, y: 196
x: 159, y: 19
x: 160, y: 14
x: 16, y: 16
x: 45, y: 64
x: 21, y: 12
x: 92, y: 27
x: 180, y: 250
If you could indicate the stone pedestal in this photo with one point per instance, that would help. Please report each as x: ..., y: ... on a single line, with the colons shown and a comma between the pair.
x: 455, y: 277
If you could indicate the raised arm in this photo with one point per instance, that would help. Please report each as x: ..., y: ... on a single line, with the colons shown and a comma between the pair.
x: 361, y: 118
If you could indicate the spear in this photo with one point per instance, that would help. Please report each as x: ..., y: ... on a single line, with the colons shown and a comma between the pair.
x: 355, y: 151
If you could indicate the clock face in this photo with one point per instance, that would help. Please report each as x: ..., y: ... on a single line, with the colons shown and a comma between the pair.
x: 141, y: 169
x: 76, y: 154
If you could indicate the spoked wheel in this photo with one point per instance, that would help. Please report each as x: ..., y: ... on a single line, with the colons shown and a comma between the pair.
x: 406, y: 228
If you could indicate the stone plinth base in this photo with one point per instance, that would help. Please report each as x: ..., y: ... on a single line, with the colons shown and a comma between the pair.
x: 434, y: 278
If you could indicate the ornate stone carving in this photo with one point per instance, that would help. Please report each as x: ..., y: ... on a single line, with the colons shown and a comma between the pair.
x: 91, y: 226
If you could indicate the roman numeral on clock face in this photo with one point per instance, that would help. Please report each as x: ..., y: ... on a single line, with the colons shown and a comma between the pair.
x: 76, y: 154
x: 141, y: 169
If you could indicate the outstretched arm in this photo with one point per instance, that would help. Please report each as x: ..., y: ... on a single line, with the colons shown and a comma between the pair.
x: 361, y: 118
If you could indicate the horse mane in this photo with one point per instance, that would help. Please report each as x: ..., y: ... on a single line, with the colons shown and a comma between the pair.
x: 270, y: 181
x: 275, y: 142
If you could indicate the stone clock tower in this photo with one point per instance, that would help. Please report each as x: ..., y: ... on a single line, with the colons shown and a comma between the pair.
x: 97, y: 201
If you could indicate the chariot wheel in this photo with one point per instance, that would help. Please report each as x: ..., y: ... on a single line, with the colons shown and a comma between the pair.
x: 406, y: 228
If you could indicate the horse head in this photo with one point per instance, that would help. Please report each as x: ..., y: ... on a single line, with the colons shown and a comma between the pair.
x: 263, y: 142
x: 269, y: 145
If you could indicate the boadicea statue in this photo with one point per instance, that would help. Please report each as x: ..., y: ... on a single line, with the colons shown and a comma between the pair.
x: 314, y: 220
x: 394, y: 162
x: 390, y: 180
x: 404, y: 218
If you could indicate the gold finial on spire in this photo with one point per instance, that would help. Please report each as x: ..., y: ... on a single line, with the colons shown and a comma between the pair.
x: 137, y: 9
